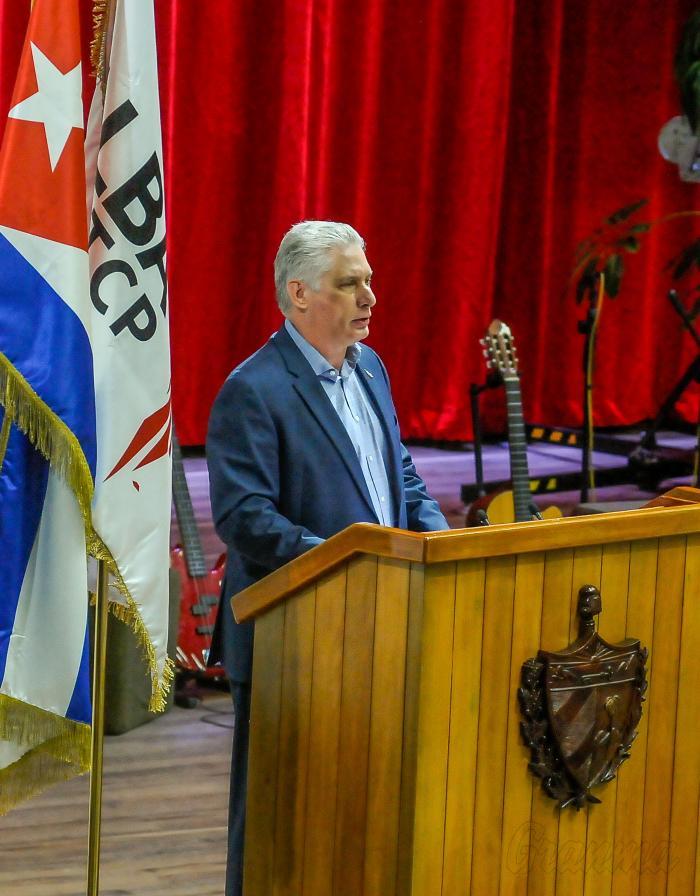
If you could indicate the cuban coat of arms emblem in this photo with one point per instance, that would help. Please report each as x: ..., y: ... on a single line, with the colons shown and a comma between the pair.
x: 581, y: 707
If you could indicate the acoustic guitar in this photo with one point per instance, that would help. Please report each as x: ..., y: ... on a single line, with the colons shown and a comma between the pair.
x: 200, y: 587
x: 514, y: 505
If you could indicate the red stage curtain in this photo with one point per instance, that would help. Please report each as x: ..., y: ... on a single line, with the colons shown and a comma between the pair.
x: 593, y: 85
x: 472, y: 143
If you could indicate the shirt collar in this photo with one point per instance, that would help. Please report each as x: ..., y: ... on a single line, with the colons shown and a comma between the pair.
x: 320, y: 365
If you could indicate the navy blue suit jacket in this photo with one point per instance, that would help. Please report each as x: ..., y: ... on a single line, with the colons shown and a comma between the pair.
x: 284, y: 475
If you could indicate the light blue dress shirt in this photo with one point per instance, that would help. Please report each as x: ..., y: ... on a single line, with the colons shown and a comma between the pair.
x: 357, y: 415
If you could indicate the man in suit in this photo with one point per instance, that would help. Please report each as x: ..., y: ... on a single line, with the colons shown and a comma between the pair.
x: 303, y: 441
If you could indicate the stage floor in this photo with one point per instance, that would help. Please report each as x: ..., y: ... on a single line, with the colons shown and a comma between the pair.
x: 166, y: 783
x: 445, y: 471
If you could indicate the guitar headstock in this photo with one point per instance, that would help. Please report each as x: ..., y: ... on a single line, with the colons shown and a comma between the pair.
x: 499, y: 350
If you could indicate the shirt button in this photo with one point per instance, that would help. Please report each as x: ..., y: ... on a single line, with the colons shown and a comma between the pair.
x: 369, y: 457
x: 382, y: 498
x: 356, y: 419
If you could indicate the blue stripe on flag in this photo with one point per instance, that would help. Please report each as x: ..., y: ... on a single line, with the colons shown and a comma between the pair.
x: 22, y: 491
x: 79, y: 708
x: 46, y: 342
x: 23, y: 510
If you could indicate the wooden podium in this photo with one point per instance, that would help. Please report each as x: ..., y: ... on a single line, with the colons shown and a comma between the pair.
x: 385, y: 751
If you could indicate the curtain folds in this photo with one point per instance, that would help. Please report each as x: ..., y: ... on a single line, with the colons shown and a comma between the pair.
x: 472, y: 143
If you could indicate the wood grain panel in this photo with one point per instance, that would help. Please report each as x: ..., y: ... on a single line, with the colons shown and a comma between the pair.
x: 356, y: 696
x: 600, y: 842
x: 573, y: 825
x: 292, y: 763
x: 356, y: 540
x: 493, y: 723
x: 525, y: 642
x: 433, y: 729
x: 661, y: 710
x: 409, y: 759
x: 538, y: 847
x: 565, y: 532
x: 629, y: 807
x: 464, y: 726
x: 697, y: 857
x: 264, y: 741
x: 686, y: 765
x: 324, y: 734
x: 461, y: 544
x: 386, y: 728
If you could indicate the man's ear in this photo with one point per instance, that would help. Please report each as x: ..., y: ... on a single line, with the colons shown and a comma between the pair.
x: 297, y: 292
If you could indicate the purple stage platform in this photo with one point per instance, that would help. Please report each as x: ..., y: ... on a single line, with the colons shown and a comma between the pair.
x: 446, y: 471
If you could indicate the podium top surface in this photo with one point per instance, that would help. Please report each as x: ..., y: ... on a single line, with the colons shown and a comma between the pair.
x: 675, y: 513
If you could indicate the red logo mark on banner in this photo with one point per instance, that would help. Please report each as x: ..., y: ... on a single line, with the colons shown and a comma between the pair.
x: 158, y: 422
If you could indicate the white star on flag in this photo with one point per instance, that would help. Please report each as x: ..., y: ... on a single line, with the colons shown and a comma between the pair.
x: 58, y: 103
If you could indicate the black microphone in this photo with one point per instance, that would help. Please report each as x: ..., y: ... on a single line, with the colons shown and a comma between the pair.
x: 482, y: 518
x: 534, y: 510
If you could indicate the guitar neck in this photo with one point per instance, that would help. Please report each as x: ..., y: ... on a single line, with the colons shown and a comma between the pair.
x: 191, y: 543
x: 517, y: 443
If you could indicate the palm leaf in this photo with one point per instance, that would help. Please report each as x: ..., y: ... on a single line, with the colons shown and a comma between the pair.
x: 622, y: 214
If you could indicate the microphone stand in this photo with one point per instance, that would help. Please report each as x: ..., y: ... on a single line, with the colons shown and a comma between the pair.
x: 648, y: 442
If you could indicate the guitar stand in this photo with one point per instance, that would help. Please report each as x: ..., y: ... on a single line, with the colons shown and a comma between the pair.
x: 480, y: 517
x: 190, y: 688
x: 188, y: 693
x: 475, y: 390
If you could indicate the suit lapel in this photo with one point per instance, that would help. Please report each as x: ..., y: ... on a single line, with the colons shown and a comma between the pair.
x: 314, y: 397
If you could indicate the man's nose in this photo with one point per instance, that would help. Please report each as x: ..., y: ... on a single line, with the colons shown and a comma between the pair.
x: 367, y: 297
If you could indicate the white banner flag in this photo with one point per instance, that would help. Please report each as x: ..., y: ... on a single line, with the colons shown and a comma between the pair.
x: 130, y: 340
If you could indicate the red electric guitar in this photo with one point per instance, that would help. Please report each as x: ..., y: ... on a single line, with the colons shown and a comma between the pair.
x: 200, y: 587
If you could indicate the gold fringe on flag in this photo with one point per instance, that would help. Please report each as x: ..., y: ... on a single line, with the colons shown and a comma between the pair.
x: 5, y: 433
x: 129, y: 613
x: 47, y: 433
x: 54, y: 440
x: 56, y: 749
x: 101, y: 13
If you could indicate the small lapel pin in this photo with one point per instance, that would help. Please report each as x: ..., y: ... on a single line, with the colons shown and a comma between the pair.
x: 370, y: 375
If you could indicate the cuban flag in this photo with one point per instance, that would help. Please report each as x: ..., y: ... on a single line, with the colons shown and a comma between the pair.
x: 48, y: 438
x: 131, y: 509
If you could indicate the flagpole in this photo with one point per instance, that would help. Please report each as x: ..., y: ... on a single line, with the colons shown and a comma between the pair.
x: 98, y: 716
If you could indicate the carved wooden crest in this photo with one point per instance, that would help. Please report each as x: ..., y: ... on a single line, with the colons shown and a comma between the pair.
x: 581, y: 707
